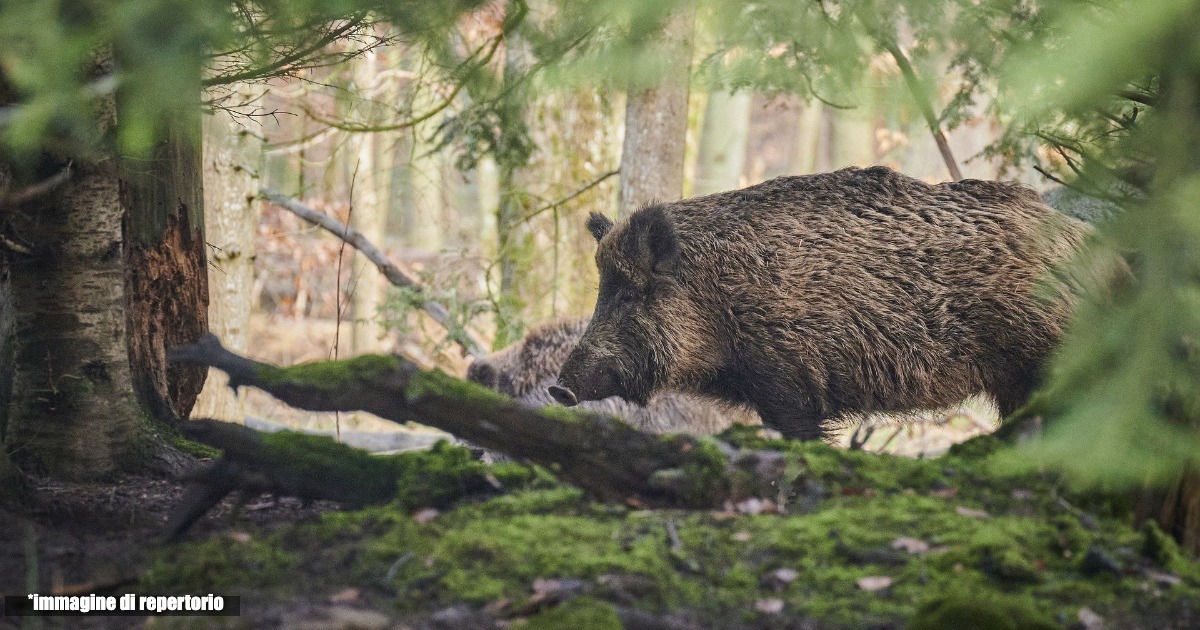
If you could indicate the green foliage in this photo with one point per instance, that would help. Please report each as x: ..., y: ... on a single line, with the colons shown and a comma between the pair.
x: 61, y: 58
x: 403, y: 302
x: 1123, y: 396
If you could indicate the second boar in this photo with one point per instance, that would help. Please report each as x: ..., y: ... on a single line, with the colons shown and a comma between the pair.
x: 525, y: 369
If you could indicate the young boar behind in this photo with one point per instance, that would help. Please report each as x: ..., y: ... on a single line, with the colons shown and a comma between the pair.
x: 824, y: 296
x: 525, y: 369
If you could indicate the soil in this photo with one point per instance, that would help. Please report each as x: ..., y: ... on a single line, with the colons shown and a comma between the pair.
x: 94, y: 537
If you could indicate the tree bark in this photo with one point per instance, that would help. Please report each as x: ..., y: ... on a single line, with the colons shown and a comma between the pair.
x: 112, y: 274
x: 73, y: 412
x: 656, y: 126
x: 723, y: 142
x: 166, y: 269
x: 233, y: 157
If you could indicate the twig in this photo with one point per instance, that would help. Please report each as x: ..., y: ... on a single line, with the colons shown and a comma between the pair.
x: 926, y: 107
x: 37, y: 190
x: 586, y: 187
x: 470, y: 343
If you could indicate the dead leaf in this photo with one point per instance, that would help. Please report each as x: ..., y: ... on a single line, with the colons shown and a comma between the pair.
x: 779, y: 579
x: 424, y: 515
x: 771, y: 606
x: 742, y: 536
x: 1163, y: 578
x: 911, y: 545
x: 345, y: 596
x: 1090, y: 620
x: 971, y: 512
x: 945, y: 493
x: 752, y: 505
x: 874, y: 583
x: 239, y: 537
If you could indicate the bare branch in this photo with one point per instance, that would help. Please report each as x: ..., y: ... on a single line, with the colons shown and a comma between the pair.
x: 586, y: 187
x: 926, y: 107
x: 398, y: 276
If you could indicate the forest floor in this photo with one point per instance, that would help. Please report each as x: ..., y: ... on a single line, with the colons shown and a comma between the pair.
x: 862, y: 541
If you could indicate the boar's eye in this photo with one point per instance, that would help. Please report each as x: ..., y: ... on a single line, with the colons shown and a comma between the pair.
x: 625, y: 298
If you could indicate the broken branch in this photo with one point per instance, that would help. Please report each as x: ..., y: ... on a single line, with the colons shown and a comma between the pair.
x: 468, y: 341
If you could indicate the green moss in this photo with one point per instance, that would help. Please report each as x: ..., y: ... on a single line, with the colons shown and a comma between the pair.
x: 331, y: 374
x: 153, y: 428
x: 436, y: 382
x: 581, y: 613
x: 980, y: 611
x: 1018, y: 565
x: 706, y: 473
x: 215, y: 564
x: 1158, y: 546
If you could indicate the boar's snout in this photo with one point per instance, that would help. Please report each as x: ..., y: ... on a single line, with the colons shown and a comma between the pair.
x: 563, y: 396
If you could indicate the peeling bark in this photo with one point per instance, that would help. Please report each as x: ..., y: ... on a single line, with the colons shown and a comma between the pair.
x: 166, y: 272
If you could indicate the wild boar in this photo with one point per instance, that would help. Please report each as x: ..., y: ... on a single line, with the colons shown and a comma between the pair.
x: 825, y: 296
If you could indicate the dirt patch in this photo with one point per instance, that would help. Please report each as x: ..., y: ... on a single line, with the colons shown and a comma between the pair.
x: 91, y: 536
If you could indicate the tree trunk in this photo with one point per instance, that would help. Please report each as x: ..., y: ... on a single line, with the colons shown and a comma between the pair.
x: 13, y: 487
x: 232, y: 160
x: 114, y: 275
x: 655, y: 127
x: 723, y: 142
x: 166, y: 269
x: 810, y: 138
x: 73, y: 412
x: 369, y: 216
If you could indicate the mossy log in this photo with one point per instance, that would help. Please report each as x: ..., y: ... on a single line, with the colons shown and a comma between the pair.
x: 603, y: 455
x: 314, y: 467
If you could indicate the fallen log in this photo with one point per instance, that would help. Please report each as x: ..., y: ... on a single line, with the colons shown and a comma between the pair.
x: 602, y: 455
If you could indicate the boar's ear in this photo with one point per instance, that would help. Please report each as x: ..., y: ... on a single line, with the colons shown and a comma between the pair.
x: 657, y: 245
x: 598, y: 225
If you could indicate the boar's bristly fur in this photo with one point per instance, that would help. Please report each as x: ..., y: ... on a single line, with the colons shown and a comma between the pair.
x: 818, y: 297
x: 525, y: 369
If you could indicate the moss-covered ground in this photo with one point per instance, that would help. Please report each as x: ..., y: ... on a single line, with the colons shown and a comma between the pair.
x: 860, y: 541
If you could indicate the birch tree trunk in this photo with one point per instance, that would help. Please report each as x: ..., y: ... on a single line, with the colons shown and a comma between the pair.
x: 723, y: 142
x: 655, y: 127
x: 233, y: 158
x: 73, y: 412
x: 114, y: 275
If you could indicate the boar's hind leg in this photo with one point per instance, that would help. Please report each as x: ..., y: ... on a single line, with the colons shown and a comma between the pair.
x: 796, y: 422
x: 1012, y: 394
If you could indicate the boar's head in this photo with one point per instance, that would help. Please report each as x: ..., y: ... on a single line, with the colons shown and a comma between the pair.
x: 632, y: 346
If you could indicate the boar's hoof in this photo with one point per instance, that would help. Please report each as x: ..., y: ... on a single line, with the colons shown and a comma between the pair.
x: 564, y: 396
